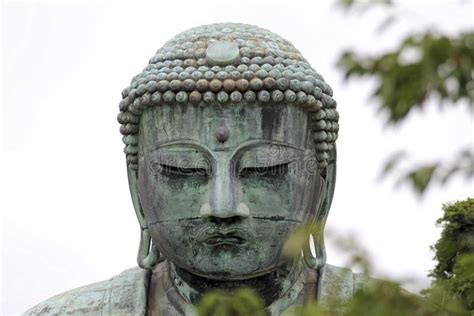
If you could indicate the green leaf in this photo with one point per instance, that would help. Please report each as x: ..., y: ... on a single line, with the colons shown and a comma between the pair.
x: 243, y: 302
x: 421, y: 177
x: 386, y: 23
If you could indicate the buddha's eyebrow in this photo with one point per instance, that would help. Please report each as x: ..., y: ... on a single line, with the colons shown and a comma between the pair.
x: 183, y: 142
x: 255, y: 142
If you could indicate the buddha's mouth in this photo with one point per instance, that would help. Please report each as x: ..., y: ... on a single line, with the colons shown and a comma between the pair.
x: 215, y: 236
x: 228, y: 239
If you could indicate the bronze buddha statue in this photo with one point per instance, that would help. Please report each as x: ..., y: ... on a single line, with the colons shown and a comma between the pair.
x: 230, y: 144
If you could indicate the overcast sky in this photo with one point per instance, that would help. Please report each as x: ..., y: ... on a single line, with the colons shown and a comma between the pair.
x: 67, y: 217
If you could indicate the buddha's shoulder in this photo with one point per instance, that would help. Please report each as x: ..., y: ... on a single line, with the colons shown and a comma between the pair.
x: 124, y: 294
x: 342, y: 283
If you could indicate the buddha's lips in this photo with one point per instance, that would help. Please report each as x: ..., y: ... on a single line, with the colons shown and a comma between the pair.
x: 213, y: 236
x: 215, y: 240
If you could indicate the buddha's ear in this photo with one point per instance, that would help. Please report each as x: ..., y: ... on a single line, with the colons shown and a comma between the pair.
x: 148, y: 255
x: 327, y: 192
x: 133, y: 185
x: 330, y: 185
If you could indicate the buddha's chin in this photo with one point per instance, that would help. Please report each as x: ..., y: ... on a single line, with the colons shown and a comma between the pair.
x: 225, y: 275
x: 230, y: 262
x: 227, y: 265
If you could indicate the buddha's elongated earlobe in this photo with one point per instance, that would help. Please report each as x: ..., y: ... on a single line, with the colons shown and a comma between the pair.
x: 316, y: 235
x: 317, y: 231
x: 148, y: 254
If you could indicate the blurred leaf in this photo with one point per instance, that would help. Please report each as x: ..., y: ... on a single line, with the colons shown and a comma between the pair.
x: 386, y: 298
x: 363, y: 5
x: 420, y: 178
x: 444, y: 301
x: 386, y: 23
x: 392, y: 162
x: 444, y: 69
x: 299, y: 238
x: 346, y: 3
x: 358, y: 256
x: 242, y: 303
x: 310, y: 309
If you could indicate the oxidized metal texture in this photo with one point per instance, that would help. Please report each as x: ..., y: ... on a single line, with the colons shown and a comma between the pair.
x: 268, y: 70
x: 223, y: 210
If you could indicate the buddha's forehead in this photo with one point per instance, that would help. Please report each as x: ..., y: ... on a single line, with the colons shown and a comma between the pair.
x: 283, y: 123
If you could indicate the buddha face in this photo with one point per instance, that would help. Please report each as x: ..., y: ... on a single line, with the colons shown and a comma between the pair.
x: 222, y: 186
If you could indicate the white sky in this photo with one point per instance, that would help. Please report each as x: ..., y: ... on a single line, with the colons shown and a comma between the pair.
x: 67, y: 217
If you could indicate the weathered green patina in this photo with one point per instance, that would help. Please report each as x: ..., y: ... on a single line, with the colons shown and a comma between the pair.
x: 230, y: 144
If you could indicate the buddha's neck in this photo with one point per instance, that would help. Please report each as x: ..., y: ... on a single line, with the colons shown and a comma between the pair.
x: 270, y: 286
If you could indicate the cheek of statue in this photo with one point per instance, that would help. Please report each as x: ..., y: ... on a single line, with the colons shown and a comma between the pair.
x: 232, y: 246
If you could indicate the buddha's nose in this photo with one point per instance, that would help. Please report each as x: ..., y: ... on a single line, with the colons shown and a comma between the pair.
x: 207, y: 210
x: 223, y: 198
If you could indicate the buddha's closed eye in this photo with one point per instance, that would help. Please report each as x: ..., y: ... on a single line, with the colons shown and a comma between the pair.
x: 169, y: 170
x: 267, y: 171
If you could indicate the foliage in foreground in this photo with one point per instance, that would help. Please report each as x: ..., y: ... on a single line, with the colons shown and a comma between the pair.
x: 243, y: 302
x: 384, y: 299
x: 452, y: 291
x: 454, y: 251
x: 425, y: 67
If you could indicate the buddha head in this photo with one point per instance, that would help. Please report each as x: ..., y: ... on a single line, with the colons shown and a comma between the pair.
x: 230, y: 144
